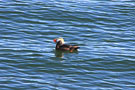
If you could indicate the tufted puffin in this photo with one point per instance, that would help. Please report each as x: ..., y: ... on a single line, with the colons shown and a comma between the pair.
x: 64, y: 47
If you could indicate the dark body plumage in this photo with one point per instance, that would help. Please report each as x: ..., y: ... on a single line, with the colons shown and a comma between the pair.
x: 65, y: 47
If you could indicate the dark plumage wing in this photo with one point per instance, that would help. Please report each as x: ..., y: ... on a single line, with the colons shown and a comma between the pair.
x: 65, y: 47
x: 68, y: 47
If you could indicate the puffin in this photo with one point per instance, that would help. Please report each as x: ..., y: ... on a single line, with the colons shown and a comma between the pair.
x: 60, y: 45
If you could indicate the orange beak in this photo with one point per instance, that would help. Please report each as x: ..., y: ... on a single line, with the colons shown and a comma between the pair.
x: 55, y: 40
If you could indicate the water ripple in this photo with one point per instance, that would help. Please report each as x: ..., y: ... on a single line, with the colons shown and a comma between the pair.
x: 104, y: 30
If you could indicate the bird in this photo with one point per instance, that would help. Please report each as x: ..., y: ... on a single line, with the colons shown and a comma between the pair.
x: 60, y: 45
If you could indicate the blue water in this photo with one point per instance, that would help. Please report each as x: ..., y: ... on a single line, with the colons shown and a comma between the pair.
x: 104, y: 30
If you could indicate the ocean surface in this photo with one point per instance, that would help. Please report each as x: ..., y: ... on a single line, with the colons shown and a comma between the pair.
x: 104, y: 30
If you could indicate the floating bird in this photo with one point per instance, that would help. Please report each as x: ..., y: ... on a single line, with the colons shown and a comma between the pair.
x: 64, y: 47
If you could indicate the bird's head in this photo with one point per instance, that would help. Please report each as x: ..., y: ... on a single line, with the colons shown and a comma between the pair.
x: 59, y: 39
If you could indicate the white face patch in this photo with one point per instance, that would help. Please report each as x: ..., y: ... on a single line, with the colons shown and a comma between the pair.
x: 61, y: 39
